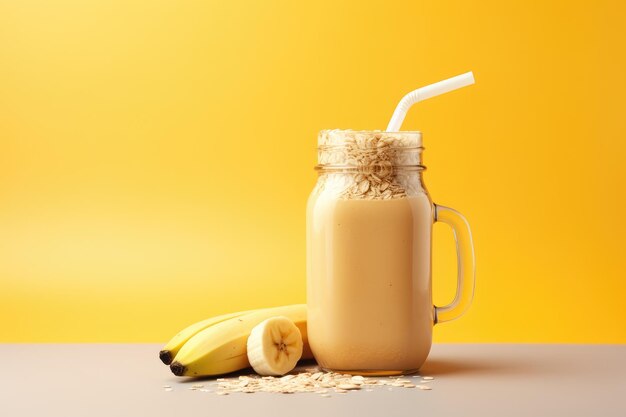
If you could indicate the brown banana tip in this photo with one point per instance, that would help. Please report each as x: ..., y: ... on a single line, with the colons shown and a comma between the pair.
x: 165, y: 356
x: 178, y: 368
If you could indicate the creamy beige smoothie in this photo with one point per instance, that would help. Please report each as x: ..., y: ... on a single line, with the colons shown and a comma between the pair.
x: 369, y: 228
x: 369, y: 286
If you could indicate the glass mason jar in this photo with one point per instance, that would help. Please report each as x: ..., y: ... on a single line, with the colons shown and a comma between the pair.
x: 369, y: 237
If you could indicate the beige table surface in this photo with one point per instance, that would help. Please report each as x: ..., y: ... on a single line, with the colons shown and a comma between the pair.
x: 470, y: 380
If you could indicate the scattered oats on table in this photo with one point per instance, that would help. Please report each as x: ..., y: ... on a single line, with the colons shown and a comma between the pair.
x: 311, y: 381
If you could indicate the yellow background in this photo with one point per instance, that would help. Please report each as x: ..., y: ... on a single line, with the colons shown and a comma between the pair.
x: 156, y: 157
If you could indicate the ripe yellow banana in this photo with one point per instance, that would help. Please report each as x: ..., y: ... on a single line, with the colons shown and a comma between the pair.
x: 274, y: 346
x: 221, y: 348
x: 172, y: 347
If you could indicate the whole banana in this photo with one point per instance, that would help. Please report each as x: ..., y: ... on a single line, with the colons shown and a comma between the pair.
x: 172, y: 347
x: 221, y: 348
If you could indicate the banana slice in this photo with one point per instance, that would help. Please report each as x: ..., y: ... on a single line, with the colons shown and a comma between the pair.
x: 274, y: 346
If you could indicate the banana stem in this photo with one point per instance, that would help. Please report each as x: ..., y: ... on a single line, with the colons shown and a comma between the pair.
x: 166, y: 356
x: 178, y: 368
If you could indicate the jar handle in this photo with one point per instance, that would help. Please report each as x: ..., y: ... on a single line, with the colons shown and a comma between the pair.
x: 466, y: 265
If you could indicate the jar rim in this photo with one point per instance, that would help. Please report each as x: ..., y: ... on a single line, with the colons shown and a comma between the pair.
x: 409, y: 132
x: 368, y: 139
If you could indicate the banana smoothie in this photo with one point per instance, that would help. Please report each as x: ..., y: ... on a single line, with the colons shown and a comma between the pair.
x: 377, y: 312
x: 369, y: 228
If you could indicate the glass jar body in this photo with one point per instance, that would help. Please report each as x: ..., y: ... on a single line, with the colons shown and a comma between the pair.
x: 369, y: 299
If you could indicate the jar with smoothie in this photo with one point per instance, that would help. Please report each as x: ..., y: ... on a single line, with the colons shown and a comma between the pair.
x: 369, y: 235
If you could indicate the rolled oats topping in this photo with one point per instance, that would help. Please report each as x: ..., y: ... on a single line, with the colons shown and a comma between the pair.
x: 368, y: 164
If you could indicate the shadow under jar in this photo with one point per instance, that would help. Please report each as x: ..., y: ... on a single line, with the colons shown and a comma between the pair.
x: 369, y: 237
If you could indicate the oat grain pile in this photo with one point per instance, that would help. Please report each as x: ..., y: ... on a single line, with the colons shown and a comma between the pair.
x: 311, y: 380
x: 369, y: 161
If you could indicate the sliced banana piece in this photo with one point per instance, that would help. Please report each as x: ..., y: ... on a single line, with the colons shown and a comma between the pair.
x: 274, y: 346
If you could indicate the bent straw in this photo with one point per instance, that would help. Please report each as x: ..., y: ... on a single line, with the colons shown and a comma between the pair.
x: 424, y: 93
